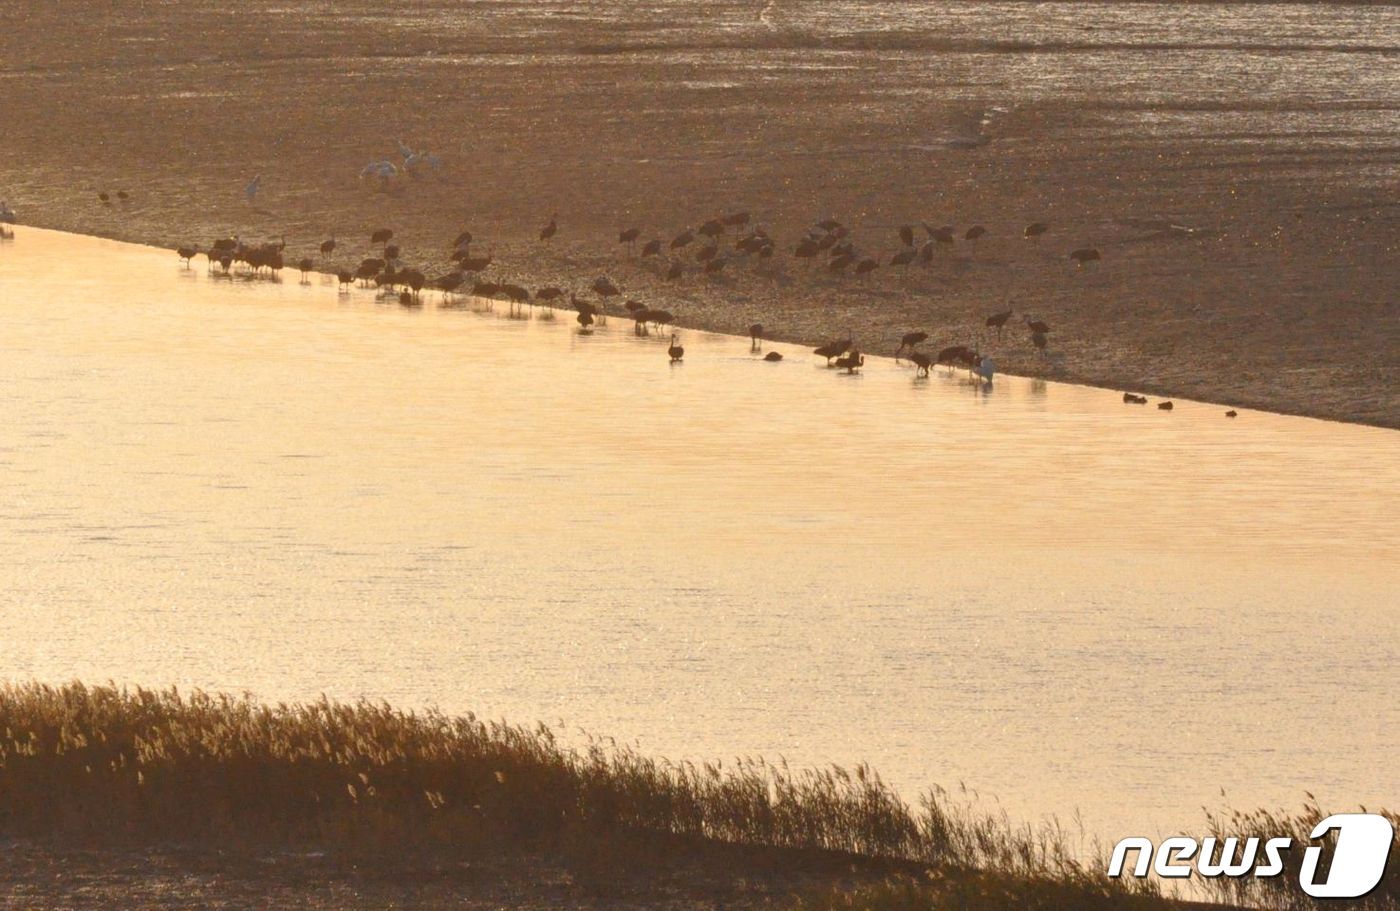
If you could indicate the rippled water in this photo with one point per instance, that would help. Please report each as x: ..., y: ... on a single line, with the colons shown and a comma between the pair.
x: 1031, y: 587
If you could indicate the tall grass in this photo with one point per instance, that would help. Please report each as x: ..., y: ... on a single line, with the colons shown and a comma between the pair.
x: 1283, y: 892
x: 103, y: 764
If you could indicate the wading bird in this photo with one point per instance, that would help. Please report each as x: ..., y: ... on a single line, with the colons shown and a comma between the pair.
x: 550, y: 229
x: 909, y: 340
x: 187, y: 254
x: 997, y: 321
x: 922, y: 361
x: 328, y: 246
x: 756, y: 336
x: 851, y: 361
x: 833, y: 349
x: 675, y: 351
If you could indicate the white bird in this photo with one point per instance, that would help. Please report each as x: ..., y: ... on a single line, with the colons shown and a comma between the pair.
x: 986, y: 369
x: 251, y: 191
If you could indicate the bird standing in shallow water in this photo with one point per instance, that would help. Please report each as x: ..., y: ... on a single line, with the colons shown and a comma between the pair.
x: 909, y: 340
x: 756, y: 337
x: 922, y: 361
x: 851, y: 361
x: 675, y: 351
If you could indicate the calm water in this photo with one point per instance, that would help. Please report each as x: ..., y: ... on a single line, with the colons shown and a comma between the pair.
x: 1061, y: 600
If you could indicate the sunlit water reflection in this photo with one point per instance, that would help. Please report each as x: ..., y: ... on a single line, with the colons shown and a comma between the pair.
x: 1058, y: 598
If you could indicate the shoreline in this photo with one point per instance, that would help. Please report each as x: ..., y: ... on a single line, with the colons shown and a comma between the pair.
x: 885, y: 350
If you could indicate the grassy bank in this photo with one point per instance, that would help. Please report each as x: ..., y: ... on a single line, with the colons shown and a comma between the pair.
x: 100, y: 766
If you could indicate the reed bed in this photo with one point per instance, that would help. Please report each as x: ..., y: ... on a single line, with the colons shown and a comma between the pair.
x: 1283, y: 892
x: 103, y: 765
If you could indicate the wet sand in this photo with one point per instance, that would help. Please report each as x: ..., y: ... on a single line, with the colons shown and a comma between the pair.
x: 1280, y: 297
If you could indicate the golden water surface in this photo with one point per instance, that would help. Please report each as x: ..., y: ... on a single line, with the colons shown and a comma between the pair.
x: 1062, y: 600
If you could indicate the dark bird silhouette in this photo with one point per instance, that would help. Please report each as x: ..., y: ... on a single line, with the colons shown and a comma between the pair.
x: 773, y: 357
x: 381, y: 236
x: 866, y: 266
x: 926, y: 253
x: 974, y: 232
x: 850, y: 361
x: 475, y: 263
x: 909, y: 340
x: 187, y: 253
x: 756, y: 336
x: 629, y: 237
x: 550, y: 229
x: 652, y: 248
x: 463, y: 240
x: 305, y: 265
x: 605, y: 288
x: 681, y: 239
x: 1036, y: 325
x: 922, y: 361
x: 345, y: 277
x: 675, y: 351
x: 904, y: 257
x: 1036, y: 229
x: 485, y: 289
x: 328, y: 246
x: 807, y: 249
x: 834, y: 349
x: 840, y: 263
x: 712, y: 228
x: 450, y: 282
x: 1085, y: 255
x: 407, y: 299
x: 1232, y: 413
x: 1038, y: 339
x: 548, y: 294
x: 906, y: 235
x: 715, y: 265
x: 585, y: 320
x: 997, y: 321
x: 1131, y: 399
x: 391, y: 252
x: 634, y: 307
x: 1164, y: 406
x: 123, y: 195
x: 705, y: 254
x: 105, y: 197
x: 674, y: 272
x: 954, y: 354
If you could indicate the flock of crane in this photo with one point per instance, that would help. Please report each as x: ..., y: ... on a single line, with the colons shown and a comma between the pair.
x: 829, y: 237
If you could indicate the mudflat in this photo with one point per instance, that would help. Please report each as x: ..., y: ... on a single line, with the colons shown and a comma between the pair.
x: 1236, y: 168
